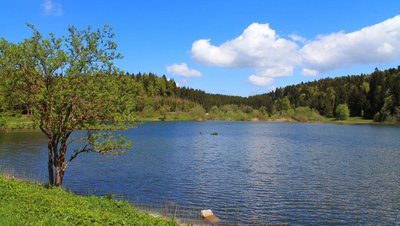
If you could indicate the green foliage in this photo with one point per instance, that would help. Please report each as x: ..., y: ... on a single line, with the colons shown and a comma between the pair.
x: 197, y: 113
x: 342, y: 112
x: 3, y: 122
x: 164, y: 109
x: 17, y: 122
x: 68, y: 83
x: 284, y: 104
x: 306, y: 114
x: 385, y: 114
x: 364, y: 94
x: 24, y: 203
x: 107, y: 142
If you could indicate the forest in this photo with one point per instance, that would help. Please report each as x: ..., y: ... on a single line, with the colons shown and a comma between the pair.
x: 370, y: 96
x: 148, y: 97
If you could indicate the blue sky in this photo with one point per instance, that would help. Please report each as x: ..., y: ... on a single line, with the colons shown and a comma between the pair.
x: 229, y: 47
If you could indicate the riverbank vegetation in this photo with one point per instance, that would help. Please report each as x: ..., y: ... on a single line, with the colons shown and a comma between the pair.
x: 372, y: 98
x: 26, y: 203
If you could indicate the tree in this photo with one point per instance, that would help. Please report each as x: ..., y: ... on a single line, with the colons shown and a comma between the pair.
x: 164, y: 109
x: 342, y: 112
x: 69, y: 82
x: 328, y: 102
x: 197, y: 113
x: 284, y: 104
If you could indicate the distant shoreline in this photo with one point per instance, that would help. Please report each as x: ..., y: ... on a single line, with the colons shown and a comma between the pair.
x: 26, y: 124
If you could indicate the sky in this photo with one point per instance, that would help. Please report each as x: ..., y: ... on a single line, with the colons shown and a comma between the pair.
x: 229, y: 47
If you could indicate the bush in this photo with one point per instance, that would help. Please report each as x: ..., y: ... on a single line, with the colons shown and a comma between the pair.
x: 306, y: 114
x: 3, y: 122
x: 197, y: 113
x: 342, y: 112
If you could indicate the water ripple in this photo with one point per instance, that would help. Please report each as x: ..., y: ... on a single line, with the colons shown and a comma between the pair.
x: 251, y: 173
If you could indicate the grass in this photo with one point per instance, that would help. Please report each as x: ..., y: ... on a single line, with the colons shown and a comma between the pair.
x: 350, y: 121
x: 26, y: 203
x: 17, y: 122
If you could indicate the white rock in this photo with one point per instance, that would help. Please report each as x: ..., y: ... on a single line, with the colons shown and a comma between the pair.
x: 206, y: 213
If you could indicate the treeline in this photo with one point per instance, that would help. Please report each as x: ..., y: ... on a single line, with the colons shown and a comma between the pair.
x: 135, y: 96
x: 148, y: 96
x: 373, y: 96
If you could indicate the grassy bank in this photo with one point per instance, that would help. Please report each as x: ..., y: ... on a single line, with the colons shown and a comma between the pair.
x: 17, y: 122
x: 25, y: 203
x: 354, y: 121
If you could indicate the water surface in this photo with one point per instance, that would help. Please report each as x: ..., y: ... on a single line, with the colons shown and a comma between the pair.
x: 251, y: 173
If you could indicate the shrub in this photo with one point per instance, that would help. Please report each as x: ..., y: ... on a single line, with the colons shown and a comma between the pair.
x: 306, y: 114
x: 342, y: 112
x: 3, y: 122
x: 197, y: 113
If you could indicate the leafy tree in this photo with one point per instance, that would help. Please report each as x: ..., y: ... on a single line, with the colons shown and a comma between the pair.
x: 164, y: 109
x: 197, y: 113
x: 342, y: 112
x: 328, y: 102
x: 385, y: 113
x: 69, y: 82
x: 214, y: 112
x: 284, y: 104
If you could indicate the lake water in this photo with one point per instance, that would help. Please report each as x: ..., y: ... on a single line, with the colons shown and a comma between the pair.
x: 250, y: 173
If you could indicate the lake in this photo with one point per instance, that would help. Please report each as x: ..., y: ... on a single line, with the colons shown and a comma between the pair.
x: 250, y: 173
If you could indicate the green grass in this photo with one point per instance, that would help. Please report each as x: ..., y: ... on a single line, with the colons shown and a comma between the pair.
x: 17, y: 122
x: 350, y: 121
x: 26, y: 203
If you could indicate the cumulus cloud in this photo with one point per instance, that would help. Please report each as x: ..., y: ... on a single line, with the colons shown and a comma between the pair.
x: 298, y: 38
x: 374, y: 44
x: 183, y: 70
x: 52, y: 8
x: 260, y: 48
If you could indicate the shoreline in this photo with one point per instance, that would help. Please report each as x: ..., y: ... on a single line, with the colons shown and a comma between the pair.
x: 350, y: 121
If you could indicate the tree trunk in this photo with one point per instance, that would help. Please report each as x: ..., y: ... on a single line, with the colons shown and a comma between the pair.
x: 50, y: 163
x: 60, y: 164
x: 59, y: 176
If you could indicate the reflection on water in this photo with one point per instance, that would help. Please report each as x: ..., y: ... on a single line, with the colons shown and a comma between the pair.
x: 262, y: 172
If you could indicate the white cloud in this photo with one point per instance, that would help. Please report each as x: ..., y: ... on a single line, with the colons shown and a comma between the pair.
x: 298, y: 38
x: 271, y: 56
x: 309, y: 72
x: 52, y: 8
x: 260, y: 80
x: 258, y: 47
x: 371, y: 45
x: 183, y: 70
